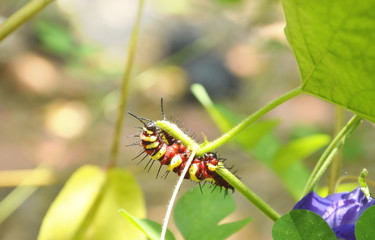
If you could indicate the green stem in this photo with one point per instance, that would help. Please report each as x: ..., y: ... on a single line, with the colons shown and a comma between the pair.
x: 247, y: 193
x: 125, y: 87
x: 326, y: 158
x: 353, y: 179
x: 363, y: 184
x: 335, y: 168
x: 249, y: 120
x: 176, y: 132
x: 21, y: 16
x: 21, y: 193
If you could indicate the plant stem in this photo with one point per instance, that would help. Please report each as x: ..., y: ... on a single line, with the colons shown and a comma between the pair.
x: 176, y: 132
x: 335, y: 168
x: 21, y: 16
x: 174, y: 195
x: 247, y: 193
x: 24, y: 190
x: 125, y: 87
x: 353, y: 179
x: 326, y: 158
x: 249, y: 120
x: 363, y: 184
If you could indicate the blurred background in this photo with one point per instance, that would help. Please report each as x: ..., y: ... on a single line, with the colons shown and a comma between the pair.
x: 61, y: 72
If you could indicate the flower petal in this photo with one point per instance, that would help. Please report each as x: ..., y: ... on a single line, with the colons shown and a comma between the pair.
x: 345, y: 232
x: 314, y: 203
x: 341, y: 212
x: 337, y: 196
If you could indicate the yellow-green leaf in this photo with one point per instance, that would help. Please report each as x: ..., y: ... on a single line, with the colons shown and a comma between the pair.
x: 87, y: 207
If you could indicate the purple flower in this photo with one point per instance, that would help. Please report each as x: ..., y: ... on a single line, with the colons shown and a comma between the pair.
x: 340, y: 210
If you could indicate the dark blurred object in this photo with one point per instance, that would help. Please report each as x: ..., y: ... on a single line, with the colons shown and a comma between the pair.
x: 206, y: 67
x: 180, y: 35
x: 210, y: 71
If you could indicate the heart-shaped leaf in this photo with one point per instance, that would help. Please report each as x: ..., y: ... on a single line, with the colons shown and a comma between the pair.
x: 302, y: 225
x: 198, y: 213
x: 333, y: 42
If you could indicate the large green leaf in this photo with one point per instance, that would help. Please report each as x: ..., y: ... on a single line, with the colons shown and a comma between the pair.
x: 87, y: 207
x: 302, y: 225
x: 198, y: 213
x: 333, y: 42
x: 364, y: 229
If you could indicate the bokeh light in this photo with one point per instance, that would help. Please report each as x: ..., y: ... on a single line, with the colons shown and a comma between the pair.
x: 35, y: 73
x: 67, y: 120
x: 244, y: 60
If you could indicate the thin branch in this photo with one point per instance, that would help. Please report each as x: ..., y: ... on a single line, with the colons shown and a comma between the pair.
x: 125, y: 87
x: 21, y: 16
x: 326, y: 158
x: 249, y: 120
x: 248, y: 194
x: 335, y: 168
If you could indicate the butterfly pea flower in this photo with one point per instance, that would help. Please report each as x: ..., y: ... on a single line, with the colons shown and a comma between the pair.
x: 340, y: 210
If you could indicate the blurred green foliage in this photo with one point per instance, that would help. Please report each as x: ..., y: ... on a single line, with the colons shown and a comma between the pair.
x: 85, y: 208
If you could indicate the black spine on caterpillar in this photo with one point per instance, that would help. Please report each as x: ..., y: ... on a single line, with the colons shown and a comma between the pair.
x: 169, y: 151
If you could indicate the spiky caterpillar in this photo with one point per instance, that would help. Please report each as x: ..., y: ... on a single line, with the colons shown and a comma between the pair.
x: 173, y: 153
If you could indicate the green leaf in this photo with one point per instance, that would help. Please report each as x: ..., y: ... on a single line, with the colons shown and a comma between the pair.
x: 253, y: 134
x: 120, y: 191
x: 148, y: 227
x: 287, y: 162
x: 55, y: 38
x: 250, y: 136
x: 302, y: 225
x: 294, y: 179
x: 221, y: 120
x: 266, y: 149
x: 87, y: 207
x: 298, y: 150
x: 197, y: 215
x: 226, y: 119
x: 364, y: 228
x: 333, y: 42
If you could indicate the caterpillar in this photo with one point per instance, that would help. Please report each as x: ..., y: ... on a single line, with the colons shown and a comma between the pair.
x: 172, y: 152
